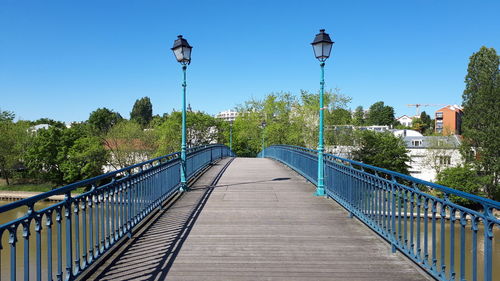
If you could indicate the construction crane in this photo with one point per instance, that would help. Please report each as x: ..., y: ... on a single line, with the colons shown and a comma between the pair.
x: 418, y: 105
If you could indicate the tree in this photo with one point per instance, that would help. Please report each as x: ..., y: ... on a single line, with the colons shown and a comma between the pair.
x: 63, y: 155
x: 45, y: 154
x: 481, y: 120
x: 359, y: 116
x: 382, y: 150
x: 380, y: 114
x: 142, y: 112
x: 463, y: 178
x: 129, y: 144
x: 49, y: 121
x: 6, y: 115
x: 85, y: 159
x: 102, y: 120
x: 13, y: 139
x: 426, y: 120
x: 422, y: 123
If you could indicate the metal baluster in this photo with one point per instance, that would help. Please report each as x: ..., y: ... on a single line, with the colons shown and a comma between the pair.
x: 400, y: 236
x: 12, y: 242
x: 129, y: 207
x: 433, y: 239
x: 452, y: 242
x: 84, y: 222
x: 91, y: 227
x: 38, y: 230
x: 419, y: 250
x: 443, y: 240
x: 76, y: 211
x: 48, y: 224
x: 475, y: 228
x: 97, y: 225
x: 59, y: 243
x: 463, y: 224
x: 412, y: 220
x: 102, y: 206
x: 26, y: 236
x: 69, y: 236
x: 488, y: 244
x: 393, y: 216
x: 405, y: 218
x: 107, y: 217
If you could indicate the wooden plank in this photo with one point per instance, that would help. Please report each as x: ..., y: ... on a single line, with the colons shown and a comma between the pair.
x: 261, y: 222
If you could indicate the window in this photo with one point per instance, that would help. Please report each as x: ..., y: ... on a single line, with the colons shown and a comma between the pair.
x: 416, y: 142
x: 444, y: 160
x: 439, y: 115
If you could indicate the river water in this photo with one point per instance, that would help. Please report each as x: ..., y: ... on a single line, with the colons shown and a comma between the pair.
x: 11, y: 215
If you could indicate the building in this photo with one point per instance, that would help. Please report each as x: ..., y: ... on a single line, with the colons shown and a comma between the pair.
x: 405, y: 120
x: 448, y: 120
x: 431, y: 154
x: 228, y: 115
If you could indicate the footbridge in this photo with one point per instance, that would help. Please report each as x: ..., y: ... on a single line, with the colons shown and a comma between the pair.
x: 251, y: 219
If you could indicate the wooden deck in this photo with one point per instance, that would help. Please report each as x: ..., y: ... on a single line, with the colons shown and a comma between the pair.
x: 260, y: 222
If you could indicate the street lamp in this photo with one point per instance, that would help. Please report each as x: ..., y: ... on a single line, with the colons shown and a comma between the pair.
x: 182, y: 52
x: 322, y: 45
x: 263, y: 126
x: 231, y: 135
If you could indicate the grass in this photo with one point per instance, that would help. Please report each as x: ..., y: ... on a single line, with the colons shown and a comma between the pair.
x: 44, y: 187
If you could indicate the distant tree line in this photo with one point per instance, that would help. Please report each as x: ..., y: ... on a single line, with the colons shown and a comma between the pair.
x: 61, y: 155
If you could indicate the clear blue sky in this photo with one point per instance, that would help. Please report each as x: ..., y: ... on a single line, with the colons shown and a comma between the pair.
x: 64, y: 59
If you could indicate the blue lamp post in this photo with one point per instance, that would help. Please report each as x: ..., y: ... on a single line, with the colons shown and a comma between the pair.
x: 322, y: 45
x: 182, y: 52
x: 231, y: 135
x: 263, y: 126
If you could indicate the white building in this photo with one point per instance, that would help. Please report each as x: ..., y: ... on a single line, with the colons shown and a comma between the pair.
x: 432, y: 154
x: 429, y: 155
x: 228, y: 115
x: 405, y: 120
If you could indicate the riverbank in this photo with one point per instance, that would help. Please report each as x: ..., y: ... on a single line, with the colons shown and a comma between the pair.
x: 10, y: 195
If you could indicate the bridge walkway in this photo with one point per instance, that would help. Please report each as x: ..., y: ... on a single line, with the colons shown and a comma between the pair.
x: 259, y: 222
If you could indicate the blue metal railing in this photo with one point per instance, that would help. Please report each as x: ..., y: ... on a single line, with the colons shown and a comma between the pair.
x: 81, y: 228
x: 404, y: 211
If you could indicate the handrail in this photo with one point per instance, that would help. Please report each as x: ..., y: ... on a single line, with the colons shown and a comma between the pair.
x: 94, y: 220
x: 410, y: 219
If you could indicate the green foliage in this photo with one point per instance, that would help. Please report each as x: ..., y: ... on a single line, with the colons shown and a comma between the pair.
x: 201, y: 129
x: 13, y: 139
x: 422, y: 124
x: 142, y: 112
x: 49, y: 121
x: 380, y: 114
x: 481, y: 120
x: 102, y: 120
x: 6, y: 115
x: 359, y: 116
x: 85, y: 159
x: 463, y: 178
x: 290, y: 120
x: 45, y: 153
x: 382, y: 150
x: 64, y: 155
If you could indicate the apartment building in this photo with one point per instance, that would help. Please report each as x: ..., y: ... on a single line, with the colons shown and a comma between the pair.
x: 448, y: 120
x: 228, y: 115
